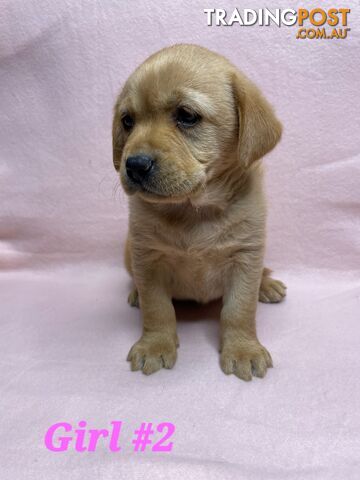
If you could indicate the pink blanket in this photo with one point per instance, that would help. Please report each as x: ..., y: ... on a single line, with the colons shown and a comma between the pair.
x: 65, y: 326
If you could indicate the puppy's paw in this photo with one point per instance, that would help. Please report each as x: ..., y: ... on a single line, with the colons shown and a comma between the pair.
x: 153, y: 352
x: 245, y: 359
x: 133, y: 298
x: 271, y: 290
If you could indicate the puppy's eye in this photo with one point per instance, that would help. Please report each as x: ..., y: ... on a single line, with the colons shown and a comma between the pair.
x: 128, y: 122
x: 186, y: 118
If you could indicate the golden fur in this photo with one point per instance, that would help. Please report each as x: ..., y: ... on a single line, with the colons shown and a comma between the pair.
x: 197, y: 223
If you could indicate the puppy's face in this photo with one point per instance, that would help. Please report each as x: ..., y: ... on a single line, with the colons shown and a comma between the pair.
x: 177, y: 123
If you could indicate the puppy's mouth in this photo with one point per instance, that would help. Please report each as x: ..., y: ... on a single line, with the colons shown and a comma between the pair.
x: 160, y: 190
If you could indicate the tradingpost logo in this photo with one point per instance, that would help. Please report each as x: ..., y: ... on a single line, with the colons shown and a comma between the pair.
x: 316, y: 23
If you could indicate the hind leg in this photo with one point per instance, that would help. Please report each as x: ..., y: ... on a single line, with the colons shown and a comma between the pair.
x: 271, y: 290
x: 133, y: 298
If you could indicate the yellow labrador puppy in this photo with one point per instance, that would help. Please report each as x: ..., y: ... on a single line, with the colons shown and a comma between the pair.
x: 189, y: 130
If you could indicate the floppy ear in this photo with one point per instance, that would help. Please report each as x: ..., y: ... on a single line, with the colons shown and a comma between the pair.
x: 259, y: 129
x: 118, y: 140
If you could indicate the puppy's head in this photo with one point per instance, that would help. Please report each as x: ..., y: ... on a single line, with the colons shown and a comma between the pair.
x: 185, y: 116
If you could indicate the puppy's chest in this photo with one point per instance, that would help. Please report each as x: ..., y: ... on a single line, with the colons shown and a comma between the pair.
x: 197, y: 262
x: 202, y: 244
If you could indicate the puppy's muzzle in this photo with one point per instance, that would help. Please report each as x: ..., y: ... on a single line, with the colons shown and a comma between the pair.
x: 138, y: 167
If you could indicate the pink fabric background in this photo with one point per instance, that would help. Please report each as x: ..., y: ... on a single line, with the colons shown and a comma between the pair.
x: 65, y: 325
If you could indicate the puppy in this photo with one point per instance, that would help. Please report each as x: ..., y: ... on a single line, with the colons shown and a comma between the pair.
x: 189, y: 131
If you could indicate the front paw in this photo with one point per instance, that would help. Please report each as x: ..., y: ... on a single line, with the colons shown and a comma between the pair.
x: 245, y: 358
x: 152, y: 352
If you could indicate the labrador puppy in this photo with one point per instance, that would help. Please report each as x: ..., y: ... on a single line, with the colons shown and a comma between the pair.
x: 189, y: 131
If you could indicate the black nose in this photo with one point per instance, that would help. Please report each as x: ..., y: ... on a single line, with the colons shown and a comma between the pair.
x: 138, y: 166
